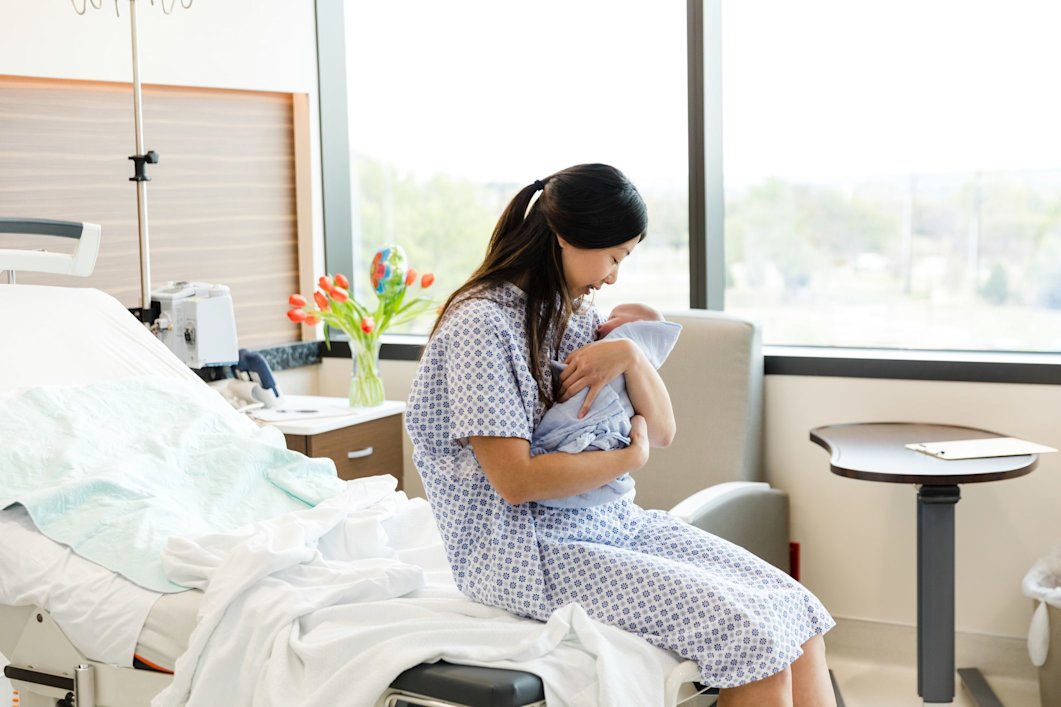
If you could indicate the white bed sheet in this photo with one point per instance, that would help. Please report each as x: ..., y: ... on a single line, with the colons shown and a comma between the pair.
x: 99, y: 611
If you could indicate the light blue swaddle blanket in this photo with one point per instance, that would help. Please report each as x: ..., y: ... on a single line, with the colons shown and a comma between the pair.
x: 606, y: 425
x: 114, y: 469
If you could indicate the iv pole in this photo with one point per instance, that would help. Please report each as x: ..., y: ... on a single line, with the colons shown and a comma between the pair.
x: 140, y: 162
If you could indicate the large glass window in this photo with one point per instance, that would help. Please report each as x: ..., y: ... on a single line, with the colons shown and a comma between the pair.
x: 455, y: 106
x: 893, y: 173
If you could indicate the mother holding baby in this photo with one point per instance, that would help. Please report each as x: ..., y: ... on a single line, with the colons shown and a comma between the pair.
x: 484, y: 384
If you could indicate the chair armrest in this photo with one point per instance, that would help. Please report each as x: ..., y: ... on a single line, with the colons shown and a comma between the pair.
x: 748, y: 513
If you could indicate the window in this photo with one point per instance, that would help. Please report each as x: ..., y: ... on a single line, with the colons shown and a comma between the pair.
x: 891, y: 180
x: 453, y: 107
x: 892, y: 173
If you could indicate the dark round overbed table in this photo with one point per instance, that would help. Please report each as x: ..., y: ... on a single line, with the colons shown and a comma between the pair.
x: 875, y: 451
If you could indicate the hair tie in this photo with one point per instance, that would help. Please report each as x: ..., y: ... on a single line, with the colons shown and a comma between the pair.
x: 539, y: 185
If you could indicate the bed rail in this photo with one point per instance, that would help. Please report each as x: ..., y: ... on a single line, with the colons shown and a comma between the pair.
x: 80, y: 262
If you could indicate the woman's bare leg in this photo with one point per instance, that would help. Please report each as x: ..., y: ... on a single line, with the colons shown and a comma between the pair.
x: 811, y: 685
x: 774, y: 691
x: 805, y: 683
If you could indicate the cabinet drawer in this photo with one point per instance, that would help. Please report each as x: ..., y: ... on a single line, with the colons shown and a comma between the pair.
x: 368, y: 449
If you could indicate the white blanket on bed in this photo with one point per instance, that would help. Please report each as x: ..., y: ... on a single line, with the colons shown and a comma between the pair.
x: 327, y: 606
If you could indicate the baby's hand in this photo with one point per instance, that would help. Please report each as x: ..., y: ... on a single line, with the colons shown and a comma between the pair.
x: 609, y: 326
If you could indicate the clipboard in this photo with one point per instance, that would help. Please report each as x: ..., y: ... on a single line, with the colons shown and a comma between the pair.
x: 980, y: 448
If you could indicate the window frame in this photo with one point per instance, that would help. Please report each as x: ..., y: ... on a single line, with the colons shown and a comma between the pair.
x: 706, y: 224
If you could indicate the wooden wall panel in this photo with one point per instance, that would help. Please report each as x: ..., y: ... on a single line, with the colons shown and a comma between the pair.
x: 221, y: 200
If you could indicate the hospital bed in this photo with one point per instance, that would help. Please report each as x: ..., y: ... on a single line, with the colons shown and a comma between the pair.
x: 57, y: 637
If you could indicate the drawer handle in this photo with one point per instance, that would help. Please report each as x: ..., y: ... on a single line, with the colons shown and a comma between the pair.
x: 359, y: 453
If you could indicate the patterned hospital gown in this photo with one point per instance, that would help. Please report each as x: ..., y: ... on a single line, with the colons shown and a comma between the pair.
x: 739, y: 618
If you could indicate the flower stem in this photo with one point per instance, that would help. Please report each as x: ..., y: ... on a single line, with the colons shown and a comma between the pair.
x: 366, y: 387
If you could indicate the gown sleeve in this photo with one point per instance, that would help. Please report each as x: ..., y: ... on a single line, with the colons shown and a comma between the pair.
x: 484, y: 363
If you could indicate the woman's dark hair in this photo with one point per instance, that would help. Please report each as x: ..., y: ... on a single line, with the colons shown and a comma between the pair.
x: 590, y: 206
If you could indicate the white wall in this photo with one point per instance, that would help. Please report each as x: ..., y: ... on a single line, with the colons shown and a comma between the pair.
x: 248, y: 44
x: 858, y: 537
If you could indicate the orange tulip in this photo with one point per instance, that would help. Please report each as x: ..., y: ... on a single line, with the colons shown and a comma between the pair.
x: 333, y: 301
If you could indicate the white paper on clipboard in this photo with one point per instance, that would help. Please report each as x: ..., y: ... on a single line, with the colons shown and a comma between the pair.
x: 980, y: 448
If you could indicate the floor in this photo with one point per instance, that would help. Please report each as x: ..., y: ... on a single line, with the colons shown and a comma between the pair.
x: 874, y: 665
x: 865, y: 684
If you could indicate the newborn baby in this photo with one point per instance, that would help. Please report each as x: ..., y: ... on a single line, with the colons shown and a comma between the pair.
x: 606, y: 425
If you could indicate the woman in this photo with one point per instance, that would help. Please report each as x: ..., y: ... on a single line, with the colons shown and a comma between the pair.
x: 484, y: 383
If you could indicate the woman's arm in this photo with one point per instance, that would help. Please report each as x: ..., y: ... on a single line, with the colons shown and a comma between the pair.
x: 518, y: 477
x: 596, y: 363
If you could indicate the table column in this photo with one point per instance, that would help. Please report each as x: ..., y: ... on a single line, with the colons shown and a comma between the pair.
x: 935, y: 592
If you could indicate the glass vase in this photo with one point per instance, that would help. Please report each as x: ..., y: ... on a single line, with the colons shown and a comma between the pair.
x: 366, y: 387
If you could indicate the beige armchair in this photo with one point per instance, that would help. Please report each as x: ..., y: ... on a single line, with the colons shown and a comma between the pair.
x: 712, y: 474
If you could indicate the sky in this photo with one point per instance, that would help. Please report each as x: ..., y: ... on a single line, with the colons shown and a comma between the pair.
x: 835, y: 88
x: 506, y: 91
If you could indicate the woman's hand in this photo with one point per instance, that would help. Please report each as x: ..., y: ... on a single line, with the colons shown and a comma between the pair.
x: 593, y: 365
x: 639, y: 439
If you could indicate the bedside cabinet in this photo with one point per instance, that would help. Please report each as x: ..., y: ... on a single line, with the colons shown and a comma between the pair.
x: 363, y: 442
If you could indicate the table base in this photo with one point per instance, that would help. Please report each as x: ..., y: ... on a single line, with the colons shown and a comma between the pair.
x: 978, y: 688
x: 935, y: 603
